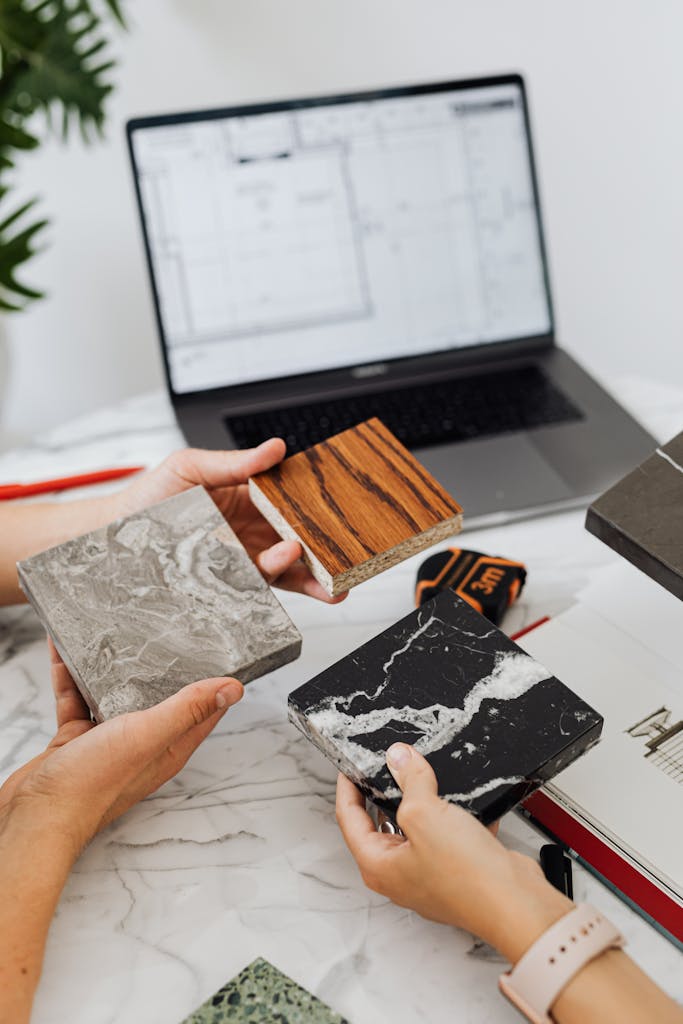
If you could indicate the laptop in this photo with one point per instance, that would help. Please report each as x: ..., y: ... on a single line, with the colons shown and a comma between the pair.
x: 318, y: 261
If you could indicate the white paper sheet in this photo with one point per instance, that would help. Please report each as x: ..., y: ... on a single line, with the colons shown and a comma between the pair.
x: 635, y: 800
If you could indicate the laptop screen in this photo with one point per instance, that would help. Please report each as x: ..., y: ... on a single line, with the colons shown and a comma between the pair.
x: 322, y: 234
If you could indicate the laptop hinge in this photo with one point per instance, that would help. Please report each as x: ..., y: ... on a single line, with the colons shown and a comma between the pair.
x: 365, y: 379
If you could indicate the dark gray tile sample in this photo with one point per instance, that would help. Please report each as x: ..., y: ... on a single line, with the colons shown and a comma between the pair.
x: 260, y: 994
x: 493, y: 723
x: 641, y: 517
x: 157, y: 600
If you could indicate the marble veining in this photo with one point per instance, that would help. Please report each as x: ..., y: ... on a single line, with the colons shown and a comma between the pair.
x: 157, y: 600
x: 490, y: 718
x: 240, y: 856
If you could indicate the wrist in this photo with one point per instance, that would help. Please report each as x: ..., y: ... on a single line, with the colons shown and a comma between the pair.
x: 34, y: 865
x: 527, y: 907
x: 34, y: 836
x: 82, y: 516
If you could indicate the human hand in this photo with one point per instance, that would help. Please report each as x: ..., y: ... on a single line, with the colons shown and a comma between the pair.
x: 90, y: 774
x: 447, y: 866
x: 225, y: 475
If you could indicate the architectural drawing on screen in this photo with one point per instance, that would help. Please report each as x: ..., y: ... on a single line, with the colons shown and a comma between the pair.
x: 295, y: 240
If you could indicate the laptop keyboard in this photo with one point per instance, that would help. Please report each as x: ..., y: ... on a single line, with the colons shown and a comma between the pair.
x: 445, y: 411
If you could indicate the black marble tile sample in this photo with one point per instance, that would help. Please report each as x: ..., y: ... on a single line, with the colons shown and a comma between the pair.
x: 494, y: 724
x: 641, y: 517
x: 260, y: 994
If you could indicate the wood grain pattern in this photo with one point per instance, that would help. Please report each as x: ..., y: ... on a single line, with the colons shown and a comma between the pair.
x: 358, y: 503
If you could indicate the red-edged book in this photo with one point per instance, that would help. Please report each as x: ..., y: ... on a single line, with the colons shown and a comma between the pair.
x: 619, y: 808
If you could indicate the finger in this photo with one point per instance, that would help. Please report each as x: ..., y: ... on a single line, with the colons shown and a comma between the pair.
x: 354, y: 821
x: 225, y: 469
x: 414, y: 775
x: 276, y: 560
x: 168, y: 764
x: 281, y: 565
x: 113, y: 755
x: 300, y: 580
x: 178, y: 754
x: 159, y: 727
x: 69, y: 732
x: 69, y: 704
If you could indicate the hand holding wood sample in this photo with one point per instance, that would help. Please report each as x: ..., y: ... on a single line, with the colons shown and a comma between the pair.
x: 357, y: 503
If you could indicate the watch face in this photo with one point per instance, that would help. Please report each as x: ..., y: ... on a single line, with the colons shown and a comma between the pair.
x: 519, y: 1004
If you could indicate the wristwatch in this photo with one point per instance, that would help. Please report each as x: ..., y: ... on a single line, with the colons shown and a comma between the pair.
x: 536, y: 981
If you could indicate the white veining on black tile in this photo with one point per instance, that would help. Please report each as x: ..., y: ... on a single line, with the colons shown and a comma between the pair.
x: 493, y: 721
x: 161, y: 910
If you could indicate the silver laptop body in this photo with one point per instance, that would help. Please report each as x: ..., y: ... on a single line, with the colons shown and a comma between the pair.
x: 317, y: 261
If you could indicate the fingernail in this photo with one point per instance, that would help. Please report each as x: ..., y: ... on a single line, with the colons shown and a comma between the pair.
x: 228, y: 695
x: 398, y: 755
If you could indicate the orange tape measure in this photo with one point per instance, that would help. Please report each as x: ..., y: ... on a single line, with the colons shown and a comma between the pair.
x: 489, y: 584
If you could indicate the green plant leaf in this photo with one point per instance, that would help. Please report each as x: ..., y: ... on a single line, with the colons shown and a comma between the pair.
x: 13, y: 137
x: 16, y: 247
x: 115, y: 8
x: 53, y: 60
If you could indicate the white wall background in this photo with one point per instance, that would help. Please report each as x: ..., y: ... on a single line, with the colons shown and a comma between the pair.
x: 606, y: 90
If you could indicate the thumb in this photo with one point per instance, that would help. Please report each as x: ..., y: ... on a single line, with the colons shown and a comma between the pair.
x: 165, y: 724
x: 412, y: 771
x: 276, y: 560
x: 225, y: 469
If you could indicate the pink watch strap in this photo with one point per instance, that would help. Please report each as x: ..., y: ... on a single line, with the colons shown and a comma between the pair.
x: 538, y: 978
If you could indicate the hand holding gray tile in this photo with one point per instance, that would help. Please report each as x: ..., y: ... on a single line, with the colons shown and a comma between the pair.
x: 154, y: 601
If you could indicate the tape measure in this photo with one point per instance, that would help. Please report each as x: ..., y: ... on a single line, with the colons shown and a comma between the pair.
x: 489, y: 584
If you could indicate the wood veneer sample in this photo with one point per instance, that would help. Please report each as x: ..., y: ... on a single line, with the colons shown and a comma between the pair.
x: 357, y: 503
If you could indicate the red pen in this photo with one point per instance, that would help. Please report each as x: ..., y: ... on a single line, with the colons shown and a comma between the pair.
x: 9, y: 491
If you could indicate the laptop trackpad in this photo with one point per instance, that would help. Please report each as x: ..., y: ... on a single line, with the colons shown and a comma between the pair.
x: 500, y: 474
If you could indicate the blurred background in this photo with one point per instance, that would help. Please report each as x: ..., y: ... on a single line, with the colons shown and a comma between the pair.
x: 606, y: 94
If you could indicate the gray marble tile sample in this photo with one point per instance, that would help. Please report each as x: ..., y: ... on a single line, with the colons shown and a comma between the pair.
x: 494, y: 724
x: 157, y: 600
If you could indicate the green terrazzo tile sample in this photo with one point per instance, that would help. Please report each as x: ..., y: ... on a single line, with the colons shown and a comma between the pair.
x: 260, y: 994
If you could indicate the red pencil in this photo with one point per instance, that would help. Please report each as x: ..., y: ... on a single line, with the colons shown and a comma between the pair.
x: 9, y: 491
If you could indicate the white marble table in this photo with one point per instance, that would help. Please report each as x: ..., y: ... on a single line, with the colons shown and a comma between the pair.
x: 240, y: 856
